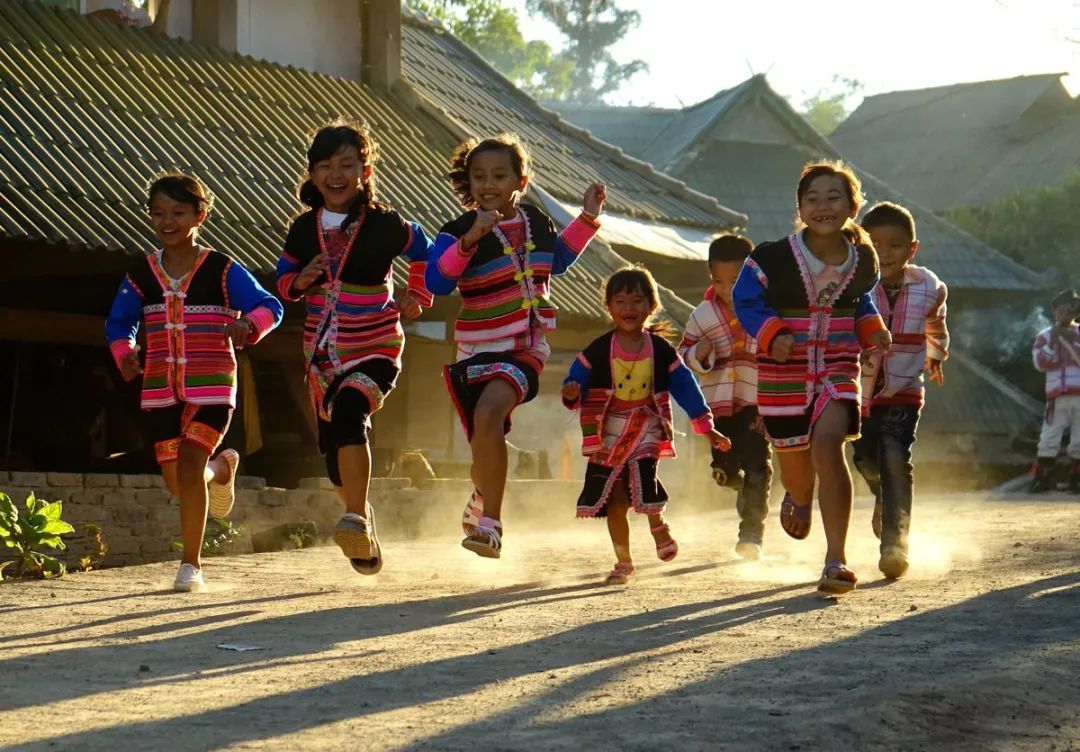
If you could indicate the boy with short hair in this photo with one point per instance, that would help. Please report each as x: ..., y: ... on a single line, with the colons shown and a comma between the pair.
x: 724, y: 356
x: 1057, y: 354
x: 911, y: 300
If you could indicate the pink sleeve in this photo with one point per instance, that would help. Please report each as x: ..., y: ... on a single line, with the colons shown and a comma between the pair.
x: 453, y: 260
x: 262, y: 320
x: 579, y: 232
x: 120, y: 349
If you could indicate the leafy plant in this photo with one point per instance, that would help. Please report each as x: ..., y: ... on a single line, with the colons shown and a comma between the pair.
x: 97, y: 550
x: 220, y: 535
x: 36, y: 527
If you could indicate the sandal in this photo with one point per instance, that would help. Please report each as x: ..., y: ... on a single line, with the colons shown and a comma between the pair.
x: 221, y: 496
x: 669, y: 549
x: 359, y: 542
x: 486, y: 539
x: 620, y: 574
x: 875, y: 520
x: 801, y: 513
x: 843, y: 582
x: 474, y: 510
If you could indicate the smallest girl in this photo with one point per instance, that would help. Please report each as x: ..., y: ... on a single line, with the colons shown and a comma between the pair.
x: 198, y: 305
x: 621, y: 383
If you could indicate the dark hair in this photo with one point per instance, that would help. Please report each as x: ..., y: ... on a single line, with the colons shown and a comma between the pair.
x: 852, y: 187
x: 1065, y: 297
x: 183, y: 188
x: 461, y: 160
x: 639, y: 279
x: 888, y: 214
x: 729, y: 247
x: 326, y: 141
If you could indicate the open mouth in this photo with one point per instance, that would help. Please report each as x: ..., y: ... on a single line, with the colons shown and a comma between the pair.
x: 823, y: 218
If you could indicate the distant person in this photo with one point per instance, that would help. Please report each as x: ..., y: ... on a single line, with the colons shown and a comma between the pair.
x: 338, y: 256
x: 1057, y: 354
x: 623, y: 383
x: 724, y: 356
x: 806, y: 300
x: 500, y: 255
x: 911, y: 300
x: 198, y: 306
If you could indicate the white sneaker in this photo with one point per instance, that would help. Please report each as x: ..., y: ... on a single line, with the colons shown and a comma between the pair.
x: 189, y: 580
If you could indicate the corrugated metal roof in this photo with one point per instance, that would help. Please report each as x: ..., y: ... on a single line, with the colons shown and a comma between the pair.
x: 758, y: 178
x: 91, y: 111
x: 457, y: 82
x: 967, y: 144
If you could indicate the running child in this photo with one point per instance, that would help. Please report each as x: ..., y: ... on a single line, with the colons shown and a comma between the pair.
x: 1056, y: 353
x: 500, y: 255
x: 911, y: 300
x: 623, y: 383
x: 724, y: 356
x: 198, y: 306
x: 806, y: 300
x: 339, y: 256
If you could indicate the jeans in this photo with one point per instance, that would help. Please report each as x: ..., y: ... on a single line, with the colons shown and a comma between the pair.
x: 883, y: 458
x: 750, y: 453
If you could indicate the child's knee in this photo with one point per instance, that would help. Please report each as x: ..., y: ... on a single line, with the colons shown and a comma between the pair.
x: 489, y: 417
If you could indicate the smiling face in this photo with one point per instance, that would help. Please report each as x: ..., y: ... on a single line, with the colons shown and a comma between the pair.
x: 825, y: 207
x: 340, y: 178
x: 494, y: 183
x: 630, y: 309
x: 176, y: 223
x: 895, y: 249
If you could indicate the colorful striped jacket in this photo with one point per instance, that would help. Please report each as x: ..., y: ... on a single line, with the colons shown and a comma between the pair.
x: 188, y: 357
x: 591, y: 369
x: 1059, y: 359
x: 352, y: 316
x: 774, y: 295
x: 917, y: 324
x: 504, y: 290
x: 728, y: 377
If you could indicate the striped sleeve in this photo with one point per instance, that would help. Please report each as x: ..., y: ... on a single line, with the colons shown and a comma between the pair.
x: 937, y: 333
x: 418, y: 252
x: 122, y: 325
x: 757, y: 317
x: 260, y: 308
x: 572, y: 241
x: 580, y: 371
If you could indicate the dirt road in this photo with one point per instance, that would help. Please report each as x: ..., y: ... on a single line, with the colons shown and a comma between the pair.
x: 979, y: 648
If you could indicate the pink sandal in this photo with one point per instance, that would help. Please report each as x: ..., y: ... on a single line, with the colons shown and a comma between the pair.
x: 474, y: 510
x: 668, y: 550
x: 486, y: 539
x: 620, y: 574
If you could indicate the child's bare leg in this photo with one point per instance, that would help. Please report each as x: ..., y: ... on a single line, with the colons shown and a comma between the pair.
x: 490, y: 461
x: 354, y: 464
x: 216, y: 470
x: 618, y: 522
x: 834, y: 489
x: 797, y: 475
x: 661, y: 535
x: 191, y: 478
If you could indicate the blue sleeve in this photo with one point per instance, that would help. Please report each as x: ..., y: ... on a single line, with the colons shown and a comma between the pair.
x: 579, y: 372
x: 564, y: 256
x: 125, y: 314
x: 686, y: 392
x: 248, y: 296
x: 434, y: 279
x: 419, y: 248
x: 757, y: 317
x: 864, y: 306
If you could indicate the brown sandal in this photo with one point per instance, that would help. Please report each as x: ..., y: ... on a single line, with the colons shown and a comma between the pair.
x: 801, y: 513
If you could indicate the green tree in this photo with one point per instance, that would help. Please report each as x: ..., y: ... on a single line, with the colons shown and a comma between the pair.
x: 828, y: 107
x: 493, y: 32
x: 1037, y: 227
x: 590, y: 28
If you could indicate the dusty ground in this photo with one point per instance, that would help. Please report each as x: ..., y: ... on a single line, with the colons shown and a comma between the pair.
x: 978, y: 649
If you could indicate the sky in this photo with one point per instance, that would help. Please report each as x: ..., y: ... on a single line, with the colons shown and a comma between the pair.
x: 695, y: 48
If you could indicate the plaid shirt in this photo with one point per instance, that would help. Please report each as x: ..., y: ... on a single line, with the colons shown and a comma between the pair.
x: 1059, y: 359
x: 917, y: 323
x: 728, y: 377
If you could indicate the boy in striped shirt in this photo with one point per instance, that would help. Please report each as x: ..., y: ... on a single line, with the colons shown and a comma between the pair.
x: 911, y: 300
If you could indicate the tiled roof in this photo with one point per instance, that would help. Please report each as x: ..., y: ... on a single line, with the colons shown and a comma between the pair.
x: 459, y: 84
x: 92, y: 110
x: 967, y: 144
x: 758, y: 178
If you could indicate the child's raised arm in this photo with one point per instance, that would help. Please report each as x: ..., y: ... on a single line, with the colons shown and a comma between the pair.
x: 757, y: 317
x: 1045, y: 353
x: 260, y: 310
x: 452, y: 253
x: 577, y: 235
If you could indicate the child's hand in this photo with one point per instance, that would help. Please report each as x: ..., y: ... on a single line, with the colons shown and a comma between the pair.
x: 882, y: 340
x: 571, y: 391
x: 781, y: 347
x: 409, y: 306
x: 933, y: 371
x: 719, y: 440
x: 703, y: 350
x: 595, y: 196
x: 312, y: 272
x: 481, y: 226
x: 129, y: 366
x: 239, y: 332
